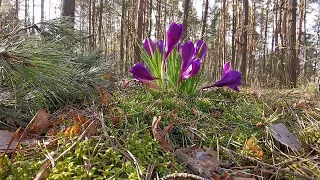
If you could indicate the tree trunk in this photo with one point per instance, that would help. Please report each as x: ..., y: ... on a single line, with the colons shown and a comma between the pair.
x: 33, y: 6
x: 291, y: 39
x: 305, y: 39
x: 100, y: 24
x: 150, y: 19
x: 204, y: 18
x: 123, y: 15
x: 93, y: 21
x: 42, y: 10
x: 234, y: 28
x: 68, y: 9
x: 266, y: 37
x: 16, y: 13
x: 139, y: 31
x: 26, y: 10
x: 243, y: 67
x: 185, y: 19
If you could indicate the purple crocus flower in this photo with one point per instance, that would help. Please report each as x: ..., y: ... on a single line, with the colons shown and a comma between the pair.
x: 149, y: 46
x: 140, y: 72
x: 189, y: 66
x: 230, y: 78
x: 174, y: 35
x: 192, y: 69
x: 160, y: 45
x: 201, y: 49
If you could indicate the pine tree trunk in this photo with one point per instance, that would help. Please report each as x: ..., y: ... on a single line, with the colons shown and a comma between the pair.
x: 204, y: 19
x: 42, y: 10
x: 243, y: 67
x: 139, y: 30
x: 68, y: 9
x: 100, y: 24
x: 150, y: 19
x: 234, y: 26
x: 123, y: 15
x: 185, y: 19
x: 291, y: 39
x: 16, y: 13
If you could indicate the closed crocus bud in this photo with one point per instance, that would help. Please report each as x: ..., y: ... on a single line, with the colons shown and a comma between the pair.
x: 160, y: 46
x: 148, y: 45
x: 140, y: 72
x: 174, y: 34
x: 201, y: 49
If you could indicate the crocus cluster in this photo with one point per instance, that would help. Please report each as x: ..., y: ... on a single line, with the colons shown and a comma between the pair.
x: 172, y: 64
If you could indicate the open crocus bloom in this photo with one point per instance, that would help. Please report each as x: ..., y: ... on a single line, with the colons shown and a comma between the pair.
x: 190, y: 66
x: 140, y: 72
x: 230, y: 78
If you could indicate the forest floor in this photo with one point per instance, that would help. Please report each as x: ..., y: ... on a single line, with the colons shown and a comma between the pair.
x: 138, y: 133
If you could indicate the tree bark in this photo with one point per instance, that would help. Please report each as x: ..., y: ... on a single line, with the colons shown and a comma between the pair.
x: 150, y: 19
x: 68, y: 8
x: 243, y: 67
x: 123, y: 15
x: 139, y: 30
x: 16, y: 12
x: 185, y: 19
x: 291, y: 39
x: 42, y: 10
x: 234, y: 26
x: 100, y: 24
x: 204, y: 19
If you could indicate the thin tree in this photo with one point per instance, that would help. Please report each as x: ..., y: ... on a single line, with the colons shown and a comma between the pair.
x: 204, y: 18
x: 243, y: 67
x: 139, y: 30
x: 100, y: 24
x: 123, y: 15
x: 16, y: 12
x: 291, y: 39
x: 42, y: 10
x: 185, y: 18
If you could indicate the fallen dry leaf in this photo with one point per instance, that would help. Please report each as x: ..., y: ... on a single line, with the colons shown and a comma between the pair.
x: 41, y: 122
x: 160, y: 134
x: 5, y: 139
x: 115, y: 120
x: 281, y: 133
x: 73, y: 130
x: 252, y: 143
x: 302, y: 104
x: 77, y: 118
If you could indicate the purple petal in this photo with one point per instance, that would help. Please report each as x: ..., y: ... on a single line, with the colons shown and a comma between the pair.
x: 226, y: 68
x: 140, y: 72
x: 160, y: 45
x: 192, y: 70
x: 231, y: 79
x: 187, y: 53
x: 174, y: 35
x: 148, y: 46
x: 201, y: 49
